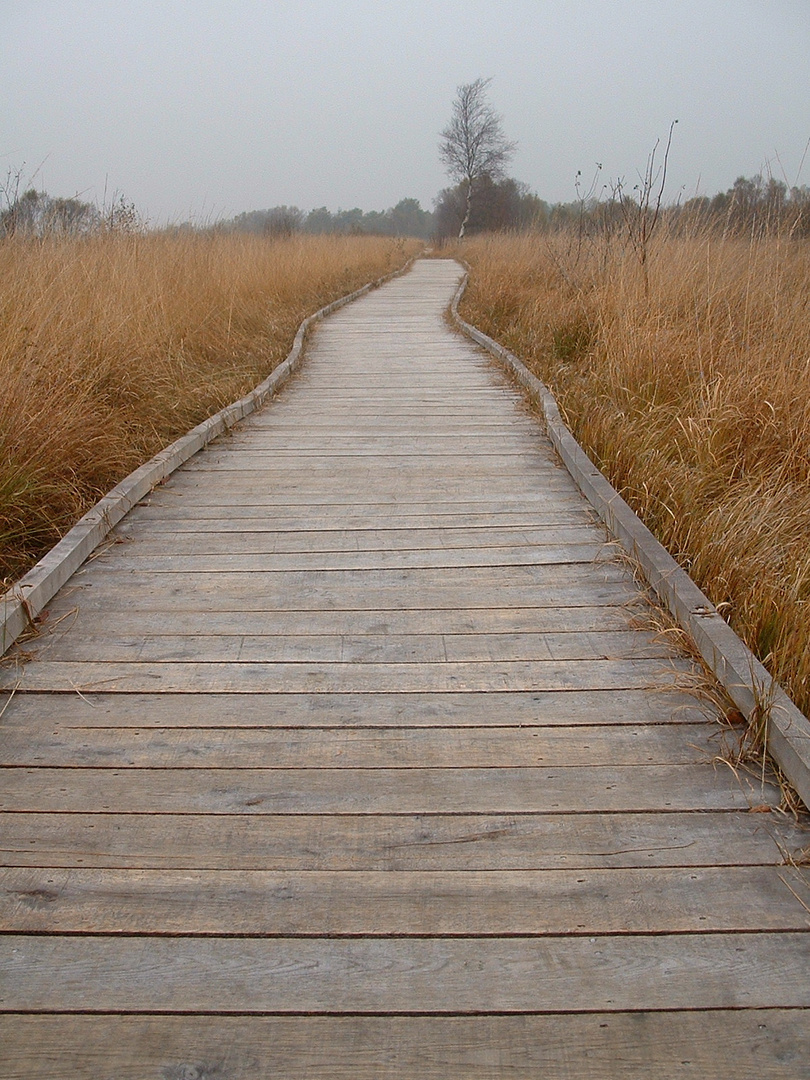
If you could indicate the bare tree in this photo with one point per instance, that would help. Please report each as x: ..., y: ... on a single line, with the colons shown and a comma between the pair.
x: 473, y: 143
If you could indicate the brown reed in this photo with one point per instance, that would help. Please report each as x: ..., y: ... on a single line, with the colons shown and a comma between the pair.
x: 690, y: 391
x: 113, y: 345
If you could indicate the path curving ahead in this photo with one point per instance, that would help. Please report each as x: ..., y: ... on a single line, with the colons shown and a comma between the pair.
x: 351, y: 757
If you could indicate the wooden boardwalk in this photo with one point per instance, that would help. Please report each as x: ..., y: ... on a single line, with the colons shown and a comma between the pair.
x: 351, y: 757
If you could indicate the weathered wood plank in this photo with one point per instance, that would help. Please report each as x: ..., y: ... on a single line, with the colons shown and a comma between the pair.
x: 421, y: 453
x: 318, y: 677
x: 538, y: 620
x: 343, y: 648
x: 374, y: 903
x: 458, y: 498
x: 267, y: 447
x: 381, y: 467
x: 747, y: 1044
x: 372, y: 473
x: 570, y: 789
x: 152, y: 518
x: 456, y: 975
x: 339, y: 510
x: 47, y: 742
x: 301, y: 488
x: 466, y: 400
x: 256, y: 592
x: 396, y: 842
x: 99, y: 710
x: 124, y: 560
x: 411, y: 416
x: 264, y: 540
x: 460, y: 579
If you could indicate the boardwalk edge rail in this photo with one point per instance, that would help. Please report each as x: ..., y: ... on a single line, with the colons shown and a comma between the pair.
x: 758, y: 697
x: 26, y: 599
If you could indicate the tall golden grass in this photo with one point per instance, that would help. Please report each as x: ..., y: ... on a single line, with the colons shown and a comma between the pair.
x: 113, y: 345
x: 691, y: 391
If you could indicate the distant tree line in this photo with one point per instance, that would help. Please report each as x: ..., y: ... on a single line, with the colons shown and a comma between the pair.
x: 755, y: 205
x: 752, y: 205
x: 37, y: 214
x: 407, y: 218
x: 499, y: 205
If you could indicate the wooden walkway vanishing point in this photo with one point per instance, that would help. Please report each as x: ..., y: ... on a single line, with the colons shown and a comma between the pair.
x: 351, y: 758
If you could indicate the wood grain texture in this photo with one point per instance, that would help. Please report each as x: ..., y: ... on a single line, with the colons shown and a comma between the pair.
x: 748, y: 1044
x: 98, y: 710
x: 171, y: 562
x: 350, y: 677
x: 397, y: 842
x: 358, y: 748
x: 253, y: 592
x: 417, y: 903
x: 462, y: 621
x: 329, y: 647
x: 259, y: 537
x: 527, y: 790
x: 405, y: 975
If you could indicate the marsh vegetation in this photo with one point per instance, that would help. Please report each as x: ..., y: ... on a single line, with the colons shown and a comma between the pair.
x: 113, y: 344
x: 687, y: 379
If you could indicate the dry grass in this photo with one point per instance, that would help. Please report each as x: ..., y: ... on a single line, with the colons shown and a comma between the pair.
x: 693, y: 398
x: 112, y: 346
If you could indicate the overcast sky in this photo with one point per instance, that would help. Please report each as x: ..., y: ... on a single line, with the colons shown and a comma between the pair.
x: 205, y: 108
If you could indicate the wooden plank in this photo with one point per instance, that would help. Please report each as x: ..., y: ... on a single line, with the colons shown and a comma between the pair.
x: 300, y: 487
x: 359, y: 495
x: 428, y: 409
x: 378, y: 512
x: 380, y: 471
x: 747, y: 1044
x: 267, y: 446
x: 569, y: 789
x: 431, y: 451
x: 47, y: 742
x: 123, y: 621
x: 334, y: 388
x: 151, y: 539
x: 442, y: 842
x: 402, y: 975
x: 315, y: 677
x: 253, y: 464
x: 99, y: 710
x: 375, y: 904
x: 157, y: 518
x: 342, y: 648
x: 123, y: 559
x: 406, y: 590
x: 287, y: 409
x: 254, y: 592
x: 468, y: 398
x: 620, y: 644
x: 460, y: 579
x: 526, y: 464
x: 498, y: 500
x: 274, y: 426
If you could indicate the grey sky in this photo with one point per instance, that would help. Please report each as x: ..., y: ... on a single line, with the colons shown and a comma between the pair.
x: 208, y: 108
